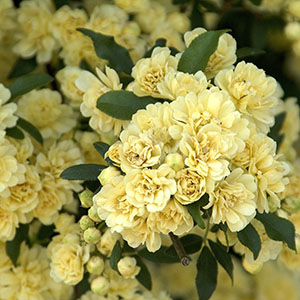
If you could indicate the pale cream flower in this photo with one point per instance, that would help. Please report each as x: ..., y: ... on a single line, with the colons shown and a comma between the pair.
x: 92, y: 296
x: 113, y: 153
x: 64, y: 23
x: 67, y: 260
x: 108, y: 174
x: 107, y: 242
x: 65, y: 224
x: 293, y: 8
x: 252, y: 93
x: 138, y: 150
x: 133, y: 6
x: 9, y: 221
x: 214, y: 107
x: 270, y: 249
x: 67, y: 77
x: 204, y: 154
x: 5, y: 262
x: 179, y: 21
x: 93, y: 88
x: 34, y: 18
x: 7, y: 18
x: 150, y: 188
x: 148, y: 72
x: 11, y: 172
x: 177, y: 84
x: 128, y: 268
x: 31, y: 279
x: 233, y: 201
x: 7, y: 117
x: 24, y: 148
x: 224, y: 57
x: 190, y: 186
x: 44, y: 109
x: 155, y: 121
x: 173, y: 218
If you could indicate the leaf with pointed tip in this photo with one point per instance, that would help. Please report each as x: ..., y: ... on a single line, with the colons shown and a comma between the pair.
x: 275, y: 132
x: 250, y: 238
x: 116, y: 255
x: 102, y: 149
x: 27, y: 83
x: 106, y: 48
x: 278, y: 229
x: 122, y: 104
x: 160, y: 256
x: 223, y: 257
x: 144, y: 276
x: 191, y: 243
x: 196, y: 56
x: 248, y: 52
x: 195, y: 212
x: 22, y: 67
x: 83, y: 172
x: 15, y: 133
x: 207, y: 273
x: 31, y: 129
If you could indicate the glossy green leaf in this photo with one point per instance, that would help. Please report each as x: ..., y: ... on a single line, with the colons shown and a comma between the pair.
x: 83, y: 172
x: 122, y: 104
x: 207, y: 273
x: 13, y: 247
x: 27, y: 83
x: 106, y: 48
x: 22, y: 67
x: 223, y: 257
x: 31, y: 129
x: 248, y: 52
x: 196, y: 56
x: 250, y: 238
x: 144, y: 276
x: 102, y: 149
x: 197, y: 19
x: 160, y: 256
x: 278, y: 229
x: 116, y: 255
x: 195, y: 212
x: 191, y: 243
x: 15, y: 133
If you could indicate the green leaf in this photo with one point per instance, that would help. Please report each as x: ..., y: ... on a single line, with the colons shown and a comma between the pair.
x: 102, y: 149
x: 197, y: 19
x: 223, y: 257
x: 83, y: 172
x: 106, y: 48
x: 15, y: 133
x: 60, y: 3
x: 31, y: 129
x: 122, y: 104
x: 159, y: 256
x: 256, y: 2
x: 83, y: 286
x: 22, y: 67
x: 195, y: 212
x: 13, y: 247
x: 209, y: 5
x: 197, y: 55
x: 250, y: 238
x: 116, y: 255
x: 247, y: 51
x: 27, y: 83
x: 275, y: 132
x: 191, y: 243
x: 144, y: 276
x: 278, y: 229
x: 207, y: 272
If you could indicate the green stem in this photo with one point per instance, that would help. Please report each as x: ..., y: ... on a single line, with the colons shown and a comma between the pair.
x: 206, y: 232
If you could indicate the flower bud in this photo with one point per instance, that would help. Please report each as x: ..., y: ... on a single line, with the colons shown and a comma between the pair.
x: 291, y: 204
x: 100, y: 285
x: 92, y: 212
x: 95, y: 265
x: 92, y: 235
x: 180, y: 22
x: 107, y: 242
x: 128, y: 268
x: 107, y: 174
x: 175, y: 161
x: 292, y: 31
x: 85, y: 222
x: 86, y: 198
x: 294, y: 9
x: 252, y: 268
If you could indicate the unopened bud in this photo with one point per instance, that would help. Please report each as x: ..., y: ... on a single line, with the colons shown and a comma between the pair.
x: 85, y: 222
x: 95, y: 265
x: 252, y: 268
x: 107, y: 174
x: 179, y: 21
x: 100, y: 285
x: 92, y: 212
x: 92, y: 235
x: 291, y: 204
x: 175, y: 161
x: 86, y: 198
x: 292, y: 31
x: 128, y: 268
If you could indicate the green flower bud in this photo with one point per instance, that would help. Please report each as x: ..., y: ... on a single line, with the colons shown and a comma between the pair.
x: 100, y: 285
x: 86, y: 198
x: 92, y: 212
x: 175, y: 161
x: 95, y: 265
x: 92, y: 235
x: 108, y: 173
x: 85, y: 222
